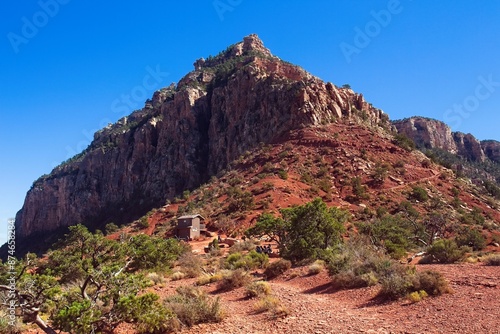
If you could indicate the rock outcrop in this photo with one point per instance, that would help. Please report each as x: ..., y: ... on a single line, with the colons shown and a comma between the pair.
x: 468, y: 146
x: 491, y: 149
x: 428, y: 133
x: 431, y: 133
x: 185, y: 134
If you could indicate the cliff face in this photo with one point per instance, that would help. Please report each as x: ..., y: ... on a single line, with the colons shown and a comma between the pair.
x: 430, y: 133
x: 468, y: 146
x: 186, y: 133
x: 491, y: 149
x: 427, y: 133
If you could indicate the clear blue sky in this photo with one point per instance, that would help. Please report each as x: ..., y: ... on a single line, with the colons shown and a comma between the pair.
x: 66, y: 65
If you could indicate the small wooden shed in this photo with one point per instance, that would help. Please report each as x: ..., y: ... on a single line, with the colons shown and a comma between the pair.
x: 190, y: 226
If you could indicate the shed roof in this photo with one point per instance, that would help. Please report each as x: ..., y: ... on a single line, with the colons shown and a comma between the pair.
x: 191, y: 216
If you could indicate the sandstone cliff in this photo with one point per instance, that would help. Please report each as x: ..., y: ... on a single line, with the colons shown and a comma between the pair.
x: 431, y: 133
x: 428, y: 133
x: 186, y: 133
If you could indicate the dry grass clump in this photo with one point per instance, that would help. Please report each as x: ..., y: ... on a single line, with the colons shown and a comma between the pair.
x: 257, y: 289
x: 205, y: 279
x: 357, y: 265
x: 417, y: 296
x: 492, y: 260
x: 191, y: 264
x: 178, y: 275
x: 277, y: 268
x: 272, y: 305
x: 192, y: 306
x: 233, y: 279
x: 155, y: 278
x: 246, y: 245
x: 399, y: 281
x: 316, y: 267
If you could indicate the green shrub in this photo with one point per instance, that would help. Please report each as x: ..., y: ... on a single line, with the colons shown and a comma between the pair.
x: 252, y: 260
x: 473, y: 218
x: 257, y: 289
x: 446, y: 251
x: 283, y: 174
x: 359, y: 191
x: 472, y: 238
x: 404, y: 142
x: 392, y: 232
x: 419, y: 194
x: 143, y: 222
x: 380, y: 174
x: 277, y: 268
x: 110, y: 228
x: 7, y: 328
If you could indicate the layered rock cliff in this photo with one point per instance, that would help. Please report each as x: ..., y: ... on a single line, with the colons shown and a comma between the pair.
x: 431, y: 133
x: 186, y: 133
x: 428, y: 133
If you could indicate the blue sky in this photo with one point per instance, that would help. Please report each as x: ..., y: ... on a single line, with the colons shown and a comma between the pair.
x: 68, y: 67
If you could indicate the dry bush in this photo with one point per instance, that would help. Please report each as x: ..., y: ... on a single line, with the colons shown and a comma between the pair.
x: 208, y: 278
x: 258, y: 288
x: 316, y: 267
x: 277, y: 268
x: 351, y: 280
x: 233, y: 280
x: 192, y: 306
x: 155, y: 278
x: 177, y: 276
x: 396, y: 281
x: 417, y: 296
x: 492, y: 260
x: 271, y: 304
x: 400, y: 280
x: 191, y: 264
x: 239, y: 247
x: 6, y: 328
x: 432, y: 282
x: 356, y: 265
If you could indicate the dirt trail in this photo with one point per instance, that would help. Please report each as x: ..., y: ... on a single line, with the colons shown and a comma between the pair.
x: 314, y: 308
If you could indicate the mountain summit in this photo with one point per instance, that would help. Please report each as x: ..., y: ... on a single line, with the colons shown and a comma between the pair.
x: 185, y: 134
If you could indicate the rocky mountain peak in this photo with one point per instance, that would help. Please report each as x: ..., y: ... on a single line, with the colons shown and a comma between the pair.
x: 254, y: 43
x: 251, y: 45
x: 185, y: 134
